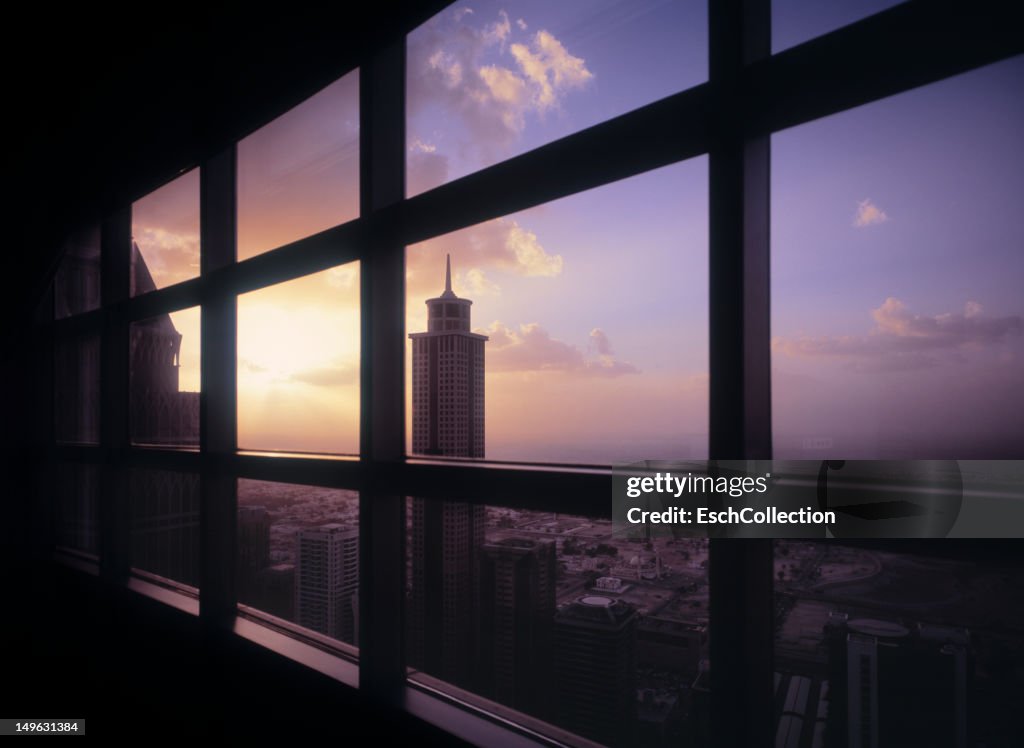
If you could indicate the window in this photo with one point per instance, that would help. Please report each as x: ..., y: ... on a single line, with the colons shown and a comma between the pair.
x: 608, y: 298
x: 165, y: 235
x: 897, y: 322
x: 493, y: 80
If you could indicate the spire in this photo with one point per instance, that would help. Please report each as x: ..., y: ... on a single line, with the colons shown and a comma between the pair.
x: 448, y: 293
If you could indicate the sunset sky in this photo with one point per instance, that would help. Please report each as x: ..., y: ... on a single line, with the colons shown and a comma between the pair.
x: 898, y: 247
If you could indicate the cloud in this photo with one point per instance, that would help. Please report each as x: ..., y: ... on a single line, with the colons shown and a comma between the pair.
x: 530, y: 348
x: 337, y: 375
x: 343, y: 276
x: 473, y: 72
x: 251, y: 366
x: 600, y: 341
x: 501, y: 244
x: 170, y: 254
x: 869, y: 214
x: 902, y: 340
x: 475, y: 283
x: 418, y: 146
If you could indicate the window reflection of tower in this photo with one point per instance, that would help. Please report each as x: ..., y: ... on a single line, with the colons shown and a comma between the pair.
x: 448, y: 420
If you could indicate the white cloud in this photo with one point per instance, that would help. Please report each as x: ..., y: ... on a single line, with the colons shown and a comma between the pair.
x: 530, y: 348
x: 869, y: 214
x: 418, y: 146
x: 902, y: 340
x: 343, y: 277
x: 473, y: 72
x: 475, y: 283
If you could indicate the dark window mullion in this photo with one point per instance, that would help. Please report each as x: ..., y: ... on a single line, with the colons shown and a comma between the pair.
x: 740, y: 605
x: 382, y: 427
x: 218, y: 423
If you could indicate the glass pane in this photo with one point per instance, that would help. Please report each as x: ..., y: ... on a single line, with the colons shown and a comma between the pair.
x: 76, y: 377
x: 298, y: 364
x: 298, y: 555
x: 165, y: 376
x: 165, y: 524
x: 77, y: 283
x: 494, y: 80
x: 908, y: 643
x: 165, y: 235
x: 553, y: 619
x: 797, y: 21
x: 299, y: 174
x: 897, y: 316
x: 75, y: 507
x: 579, y: 327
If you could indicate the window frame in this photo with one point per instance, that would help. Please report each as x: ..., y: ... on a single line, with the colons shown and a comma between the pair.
x: 749, y: 95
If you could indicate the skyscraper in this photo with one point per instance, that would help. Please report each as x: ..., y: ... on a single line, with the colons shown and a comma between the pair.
x: 253, y: 550
x: 595, y: 668
x: 517, y: 606
x: 447, y: 420
x: 326, y: 579
x: 448, y: 379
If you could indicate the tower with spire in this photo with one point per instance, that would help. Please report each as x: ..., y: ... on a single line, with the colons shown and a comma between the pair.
x: 448, y: 379
x: 446, y: 536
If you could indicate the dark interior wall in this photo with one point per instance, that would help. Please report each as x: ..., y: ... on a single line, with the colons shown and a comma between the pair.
x: 107, y: 106
x: 132, y: 666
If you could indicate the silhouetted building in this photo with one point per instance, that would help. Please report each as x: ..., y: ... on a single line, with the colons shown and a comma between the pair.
x: 253, y: 550
x: 448, y: 419
x: 448, y: 379
x: 159, y: 412
x: 896, y: 686
x: 277, y: 591
x: 667, y: 644
x: 326, y: 578
x: 595, y: 668
x: 165, y: 524
x: 517, y: 598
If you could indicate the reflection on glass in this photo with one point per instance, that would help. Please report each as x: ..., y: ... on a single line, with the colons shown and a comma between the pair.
x: 299, y: 174
x: 555, y: 618
x: 165, y: 524
x: 298, y: 555
x: 165, y: 376
x: 76, y: 378
x: 897, y: 317
x: 77, y: 283
x: 165, y: 235
x: 580, y: 328
x: 76, y: 501
x: 911, y: 649
x: 298, y: 364
x: 798, y: 21
x: 492, y: 81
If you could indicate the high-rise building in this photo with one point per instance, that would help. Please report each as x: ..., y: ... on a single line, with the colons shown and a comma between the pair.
x: 326, y: 578
x: 448, y: 420
x: 595, y: 668
x: 517, y: 608
x: 448, y: 379
x: 253, y: 550
x: 898, y: 686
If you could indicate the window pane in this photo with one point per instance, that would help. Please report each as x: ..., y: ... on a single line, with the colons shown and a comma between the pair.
x: 77, y: 284
x: 298, y: 555
x: 555, y: 619
x: 165, y: 378
x: 897, y: 315
x: 494, y: 80
x: 591, y: 317
x: 298, y: 364
x: 165, y: 524
x: 165, y: 235
x: 299, y: 174
x: 924, y: 649
x: 797, y: 21
x: 76, y: 377
x: 75, y: 507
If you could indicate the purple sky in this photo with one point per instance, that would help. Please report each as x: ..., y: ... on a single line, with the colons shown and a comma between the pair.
x: 898, y: 248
